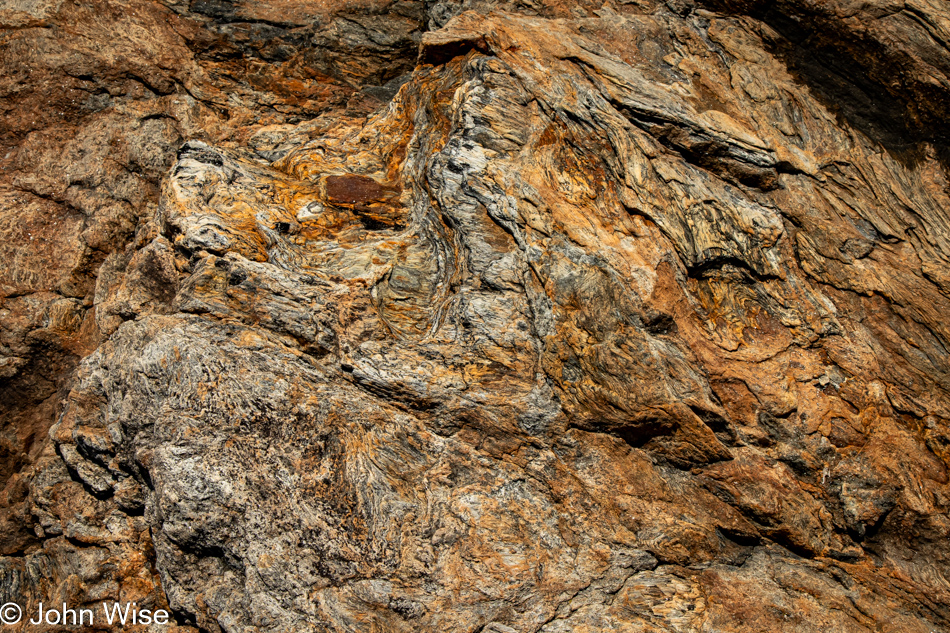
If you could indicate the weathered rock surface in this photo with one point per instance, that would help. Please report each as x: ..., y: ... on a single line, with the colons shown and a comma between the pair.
x: 478, y: 316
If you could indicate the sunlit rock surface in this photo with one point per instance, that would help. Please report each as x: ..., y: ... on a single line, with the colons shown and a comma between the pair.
x: 478, y: 316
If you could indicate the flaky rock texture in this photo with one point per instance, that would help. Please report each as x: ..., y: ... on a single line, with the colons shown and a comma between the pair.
x: 528, y: 316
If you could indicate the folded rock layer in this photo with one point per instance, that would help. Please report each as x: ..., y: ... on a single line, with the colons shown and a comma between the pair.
x: 506, y: 316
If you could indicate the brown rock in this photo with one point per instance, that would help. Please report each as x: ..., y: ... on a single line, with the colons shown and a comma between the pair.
x: 477, y: 316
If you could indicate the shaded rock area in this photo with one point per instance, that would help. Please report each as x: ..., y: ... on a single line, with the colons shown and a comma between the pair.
x: 477, y: 316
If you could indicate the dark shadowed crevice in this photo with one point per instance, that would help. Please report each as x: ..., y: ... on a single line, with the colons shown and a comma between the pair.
x: 866, y: 83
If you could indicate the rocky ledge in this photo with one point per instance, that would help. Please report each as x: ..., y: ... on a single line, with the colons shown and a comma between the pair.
x: 473, y: 316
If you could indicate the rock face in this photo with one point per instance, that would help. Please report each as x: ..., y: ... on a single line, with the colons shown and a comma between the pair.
x: 478, y: 316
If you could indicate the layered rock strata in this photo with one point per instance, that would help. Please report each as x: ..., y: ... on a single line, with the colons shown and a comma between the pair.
x: 479, y: 317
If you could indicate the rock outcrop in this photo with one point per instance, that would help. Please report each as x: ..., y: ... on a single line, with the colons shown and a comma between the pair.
x: 528, y: 316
